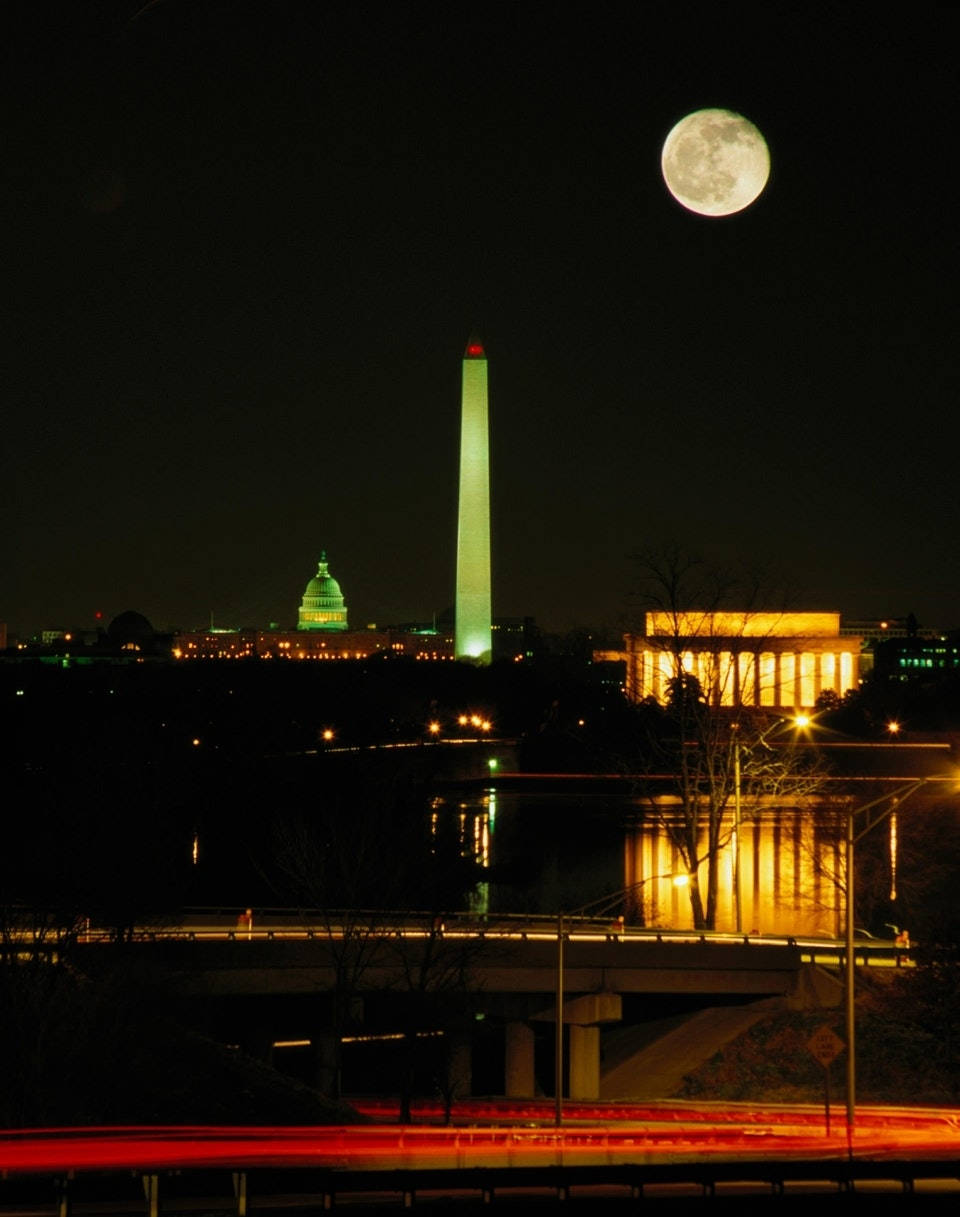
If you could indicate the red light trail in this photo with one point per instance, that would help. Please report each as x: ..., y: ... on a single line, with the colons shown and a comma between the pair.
x: 644, y: 1135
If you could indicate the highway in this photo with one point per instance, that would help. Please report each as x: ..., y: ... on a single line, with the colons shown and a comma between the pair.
x: 496, y: 1148
x: 655, y: 1134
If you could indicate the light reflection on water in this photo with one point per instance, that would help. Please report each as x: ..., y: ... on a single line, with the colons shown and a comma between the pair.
x: 540, y: 850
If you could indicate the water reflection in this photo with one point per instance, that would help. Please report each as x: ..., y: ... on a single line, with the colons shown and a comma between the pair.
x: 540, y: 850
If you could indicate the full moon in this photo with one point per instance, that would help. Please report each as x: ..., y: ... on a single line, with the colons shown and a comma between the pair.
x: 715, y: 162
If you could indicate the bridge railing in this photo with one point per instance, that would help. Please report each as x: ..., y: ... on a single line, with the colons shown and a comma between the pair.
x: 212, y: 924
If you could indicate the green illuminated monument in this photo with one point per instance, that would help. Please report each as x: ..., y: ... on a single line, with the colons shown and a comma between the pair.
x: 473, y: 625
x: 322, y: 607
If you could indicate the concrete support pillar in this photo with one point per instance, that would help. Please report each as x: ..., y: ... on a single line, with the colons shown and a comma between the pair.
x: 326, y: 1063
x: 240, y: 1192
x: 460, y: 1067
x: 151, y: 1194
x: 584, y: 1062
x: 518, y: 1065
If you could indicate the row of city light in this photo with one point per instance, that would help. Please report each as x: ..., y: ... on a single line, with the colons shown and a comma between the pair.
x: 434, y: 727
x: 477, y: 721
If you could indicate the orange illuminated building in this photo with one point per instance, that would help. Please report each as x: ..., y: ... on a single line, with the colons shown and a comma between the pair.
x: 775, y: 660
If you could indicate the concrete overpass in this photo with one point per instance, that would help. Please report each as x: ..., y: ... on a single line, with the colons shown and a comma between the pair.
x: 506, y: 971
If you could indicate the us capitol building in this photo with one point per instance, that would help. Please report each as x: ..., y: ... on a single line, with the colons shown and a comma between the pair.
x: 322, y: 632
x: 322, y: 607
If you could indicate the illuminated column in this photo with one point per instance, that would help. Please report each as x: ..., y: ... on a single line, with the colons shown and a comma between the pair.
x: 788, y: 679
x: 746, y: 694
x: 725, y: 676
x: 847, y: 672
x: 473, y: 616
x: 808, y: 668
x: 664, y: 675
x: 769, y: 685
x: 828, y: 672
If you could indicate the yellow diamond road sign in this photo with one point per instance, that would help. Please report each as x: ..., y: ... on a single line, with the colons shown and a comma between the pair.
x: 825, y: 1045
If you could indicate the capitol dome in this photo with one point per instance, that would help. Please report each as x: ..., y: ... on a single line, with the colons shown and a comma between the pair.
x: 322, y: 607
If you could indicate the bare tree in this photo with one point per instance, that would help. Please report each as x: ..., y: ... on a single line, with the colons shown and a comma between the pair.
x: 722, y: 750
x: 435, y: 999
x: 905, y: 869
x: 355, y: 862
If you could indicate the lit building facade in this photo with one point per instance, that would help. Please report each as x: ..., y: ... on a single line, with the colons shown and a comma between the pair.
x: 775, y: 660
x: 473, y: 619
x: 917, y: 659
x: 306, y: 644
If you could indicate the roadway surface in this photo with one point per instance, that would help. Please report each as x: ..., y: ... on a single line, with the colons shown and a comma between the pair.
x: 495, y: 1149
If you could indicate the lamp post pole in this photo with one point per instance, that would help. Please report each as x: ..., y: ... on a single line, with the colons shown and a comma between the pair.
x: 558, y: 1045
x: 736, y: 832
x: 849, y: 972
x: 678, y: 880
x: 894, y: 798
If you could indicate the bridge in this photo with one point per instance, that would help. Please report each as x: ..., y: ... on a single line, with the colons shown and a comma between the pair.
x: 507, y: 966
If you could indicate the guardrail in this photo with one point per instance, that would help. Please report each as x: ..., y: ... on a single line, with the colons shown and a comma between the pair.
x: 278, y: 925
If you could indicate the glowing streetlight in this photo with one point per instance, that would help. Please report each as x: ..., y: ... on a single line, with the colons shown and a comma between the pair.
x: 326, y: 735
x: 434, y: 728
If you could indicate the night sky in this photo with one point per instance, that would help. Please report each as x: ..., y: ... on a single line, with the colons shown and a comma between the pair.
x: 244, y: 246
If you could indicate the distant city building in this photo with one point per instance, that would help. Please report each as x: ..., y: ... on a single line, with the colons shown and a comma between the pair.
x: 875, y: 633
x: 515, y: 638
x: 780, y: 660
x: 129, y: 638
x: 307, y: 644
x: 322, y: 607
x: 916, y: 658
x: 876, y: 629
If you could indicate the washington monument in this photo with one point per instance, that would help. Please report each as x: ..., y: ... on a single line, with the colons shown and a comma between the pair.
x: 473, y: 618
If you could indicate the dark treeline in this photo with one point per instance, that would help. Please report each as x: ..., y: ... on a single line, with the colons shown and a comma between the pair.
x: 136, y: 790
x: 139, y: 789
x: 133, y: 792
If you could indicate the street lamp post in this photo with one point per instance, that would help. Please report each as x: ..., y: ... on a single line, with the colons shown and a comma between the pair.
x: 558, y: 1046
x: 736, y: 831
x: 894, y: 798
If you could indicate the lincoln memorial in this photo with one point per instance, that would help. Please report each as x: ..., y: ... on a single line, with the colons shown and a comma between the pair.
x: 776, y: 660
